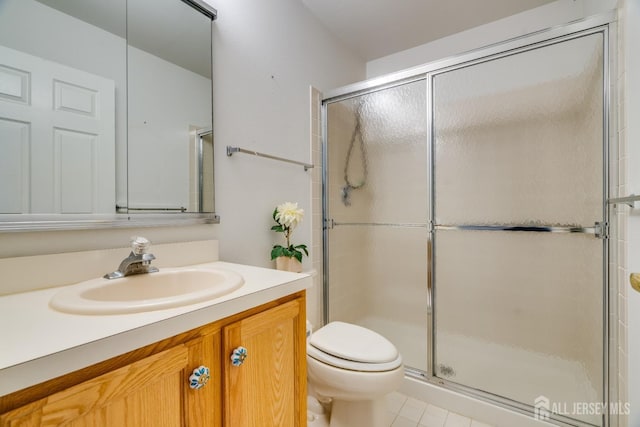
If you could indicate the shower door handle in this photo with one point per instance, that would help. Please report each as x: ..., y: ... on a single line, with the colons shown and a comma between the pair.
x: 600, y: 229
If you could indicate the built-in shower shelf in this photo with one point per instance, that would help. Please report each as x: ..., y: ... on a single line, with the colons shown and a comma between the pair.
x: 629, y: 200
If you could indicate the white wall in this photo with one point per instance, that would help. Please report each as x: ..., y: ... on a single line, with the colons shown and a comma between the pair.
x: 266, y: 55
x: 151, y: 125
x: 540, y: 18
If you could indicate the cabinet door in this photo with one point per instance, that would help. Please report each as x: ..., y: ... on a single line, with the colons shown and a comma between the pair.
x: 151, y: 392
x: 269, y: 387
x: 147, y: 392
x: 203, y: 407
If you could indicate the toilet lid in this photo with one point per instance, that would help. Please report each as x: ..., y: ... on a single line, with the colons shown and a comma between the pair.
x: 337, y: 362
x: 354, y: 343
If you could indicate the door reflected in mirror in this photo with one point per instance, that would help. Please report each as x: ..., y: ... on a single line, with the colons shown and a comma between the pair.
x: 105, y: 108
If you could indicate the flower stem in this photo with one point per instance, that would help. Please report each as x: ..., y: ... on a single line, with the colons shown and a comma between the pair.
x: 287, y: 233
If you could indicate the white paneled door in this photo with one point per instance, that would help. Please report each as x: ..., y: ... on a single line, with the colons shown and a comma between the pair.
x: 57, y: 137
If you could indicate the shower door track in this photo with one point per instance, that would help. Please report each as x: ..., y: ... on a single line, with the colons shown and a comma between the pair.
x: 495, y: 399
x: 482, y: 395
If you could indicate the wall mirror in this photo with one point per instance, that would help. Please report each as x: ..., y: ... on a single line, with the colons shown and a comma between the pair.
x: 105, y: 113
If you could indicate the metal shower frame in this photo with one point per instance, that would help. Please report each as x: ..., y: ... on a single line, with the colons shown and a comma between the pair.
x: 604, y: 24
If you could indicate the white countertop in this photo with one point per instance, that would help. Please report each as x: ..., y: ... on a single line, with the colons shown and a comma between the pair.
x: 38, y: 343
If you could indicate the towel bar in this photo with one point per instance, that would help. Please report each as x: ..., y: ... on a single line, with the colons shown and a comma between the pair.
x: 231, y: 150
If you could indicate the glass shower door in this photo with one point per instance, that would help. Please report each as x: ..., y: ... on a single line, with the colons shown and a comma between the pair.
x: 376, y: 195
x: 518, y: 190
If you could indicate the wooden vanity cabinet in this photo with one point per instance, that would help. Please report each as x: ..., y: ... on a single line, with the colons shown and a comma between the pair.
x: 150, y: 386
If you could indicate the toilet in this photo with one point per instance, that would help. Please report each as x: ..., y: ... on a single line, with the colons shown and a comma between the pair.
x: 355, y: 368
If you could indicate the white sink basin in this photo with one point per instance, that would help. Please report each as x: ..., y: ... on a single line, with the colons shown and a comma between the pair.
x: 170, y: 287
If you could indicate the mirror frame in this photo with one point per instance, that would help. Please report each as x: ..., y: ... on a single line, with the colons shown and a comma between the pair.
x: 60, y: 222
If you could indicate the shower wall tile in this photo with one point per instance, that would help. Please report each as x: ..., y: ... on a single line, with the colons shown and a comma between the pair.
x: 315, y: 295
x: 622, y: 146
x: 622, y: 171
x: 622, y: 256
x: 621, y: 219
x: 622, y: 364
x: 623, y: 420
x: 621, y: 288
x: 622, y: 334
x: 622, y: 310
x: 622, y: 102
x: 621, y: 212
x: 315, y: 126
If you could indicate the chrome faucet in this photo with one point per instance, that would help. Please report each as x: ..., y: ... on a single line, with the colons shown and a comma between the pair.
x: 138, y: 261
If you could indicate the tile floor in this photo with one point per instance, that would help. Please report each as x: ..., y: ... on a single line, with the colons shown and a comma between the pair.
x: 409, y: 412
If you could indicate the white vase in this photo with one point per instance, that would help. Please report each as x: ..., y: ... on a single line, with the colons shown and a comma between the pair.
x: 288, y: 264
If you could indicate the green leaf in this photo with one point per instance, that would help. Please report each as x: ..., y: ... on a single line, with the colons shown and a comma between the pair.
x: 288, y: 252
x: 298, y: 255
x: 278, y: 228
x: 304, y: 248
x: 275, y: 211
x: 277, y: 251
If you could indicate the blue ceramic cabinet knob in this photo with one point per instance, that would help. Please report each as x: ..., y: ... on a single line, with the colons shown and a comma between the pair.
x: 238, y: 355
x: 199, y: 377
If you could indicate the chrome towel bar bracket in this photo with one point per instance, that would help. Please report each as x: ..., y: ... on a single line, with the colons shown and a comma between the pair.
x: 629, y: 200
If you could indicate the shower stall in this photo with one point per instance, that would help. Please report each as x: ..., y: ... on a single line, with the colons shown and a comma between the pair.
x: 465, y: 219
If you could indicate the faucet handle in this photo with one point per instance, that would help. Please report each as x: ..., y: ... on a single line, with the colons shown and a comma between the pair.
x: 139, y: 245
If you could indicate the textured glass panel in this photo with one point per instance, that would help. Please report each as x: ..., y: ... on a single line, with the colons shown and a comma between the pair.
x: 378, y: 279
x: 378, y: 273
x: 384, y: 158
x: 519, y: 139
x: 520, y: 314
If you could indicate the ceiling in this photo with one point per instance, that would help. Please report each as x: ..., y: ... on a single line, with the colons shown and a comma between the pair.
x: 370, y: 28
x: 377, y: 28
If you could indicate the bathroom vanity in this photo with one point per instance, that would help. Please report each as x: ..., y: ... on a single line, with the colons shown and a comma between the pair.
x: 238, y: 360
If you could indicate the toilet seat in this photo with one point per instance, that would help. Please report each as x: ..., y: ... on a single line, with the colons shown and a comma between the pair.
x: 353, y: 347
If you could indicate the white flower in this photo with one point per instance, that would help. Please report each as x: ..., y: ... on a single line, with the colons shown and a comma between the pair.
x: 288, y: 214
